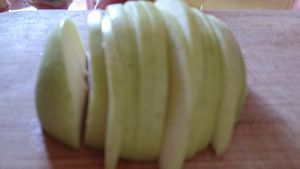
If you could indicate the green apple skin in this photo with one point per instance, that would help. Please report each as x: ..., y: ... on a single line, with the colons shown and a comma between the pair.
x: 234, y: 85
x: 61, y: 87
x: 97, y: 106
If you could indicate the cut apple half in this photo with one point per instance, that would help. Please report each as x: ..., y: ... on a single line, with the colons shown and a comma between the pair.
x: 61, y: 86
x: 97, y: 105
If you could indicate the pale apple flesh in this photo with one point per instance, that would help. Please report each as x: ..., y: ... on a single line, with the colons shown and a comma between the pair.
x: 61, y: 87
x: 97, y: 105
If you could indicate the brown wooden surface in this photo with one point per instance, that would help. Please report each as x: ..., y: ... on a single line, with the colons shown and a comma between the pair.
x: 266, y: 137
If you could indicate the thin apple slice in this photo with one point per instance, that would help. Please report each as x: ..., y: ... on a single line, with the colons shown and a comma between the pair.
x: 123, y: 30
x: 153, y: 78
x: 183, y: 15
x: 123, y: 85
x: 206, y: 111
x: 196, y: 45
x: 61, y: 86
x: 116, y: 95
x: 154, y: 68
x: 97, y: 106
x: 234, y: 85
x: 179, y: 109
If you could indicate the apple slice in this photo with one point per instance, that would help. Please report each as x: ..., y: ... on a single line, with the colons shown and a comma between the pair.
x: 234, y: 85
x: 116, y: 80
x: 153, y: 78
x: 61, y: 86
x: 179, y: 109
x: 206, y: 111
x: 197, y: 51
x: 123, y: 30
x: 178, y: 112
x: 97, y: 106
x: 123, y: 85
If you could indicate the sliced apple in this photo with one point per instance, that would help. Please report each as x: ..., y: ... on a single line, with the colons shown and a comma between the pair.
x: 97, y: 106
x: 165, y: 81
x: 153, y: 78
x: 234, y: 85
x: 61, y: 87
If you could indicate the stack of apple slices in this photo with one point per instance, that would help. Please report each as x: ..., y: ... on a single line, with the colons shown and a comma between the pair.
x: 164, y: 82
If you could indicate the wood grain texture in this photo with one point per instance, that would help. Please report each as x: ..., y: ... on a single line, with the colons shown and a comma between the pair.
x: 266, y: 137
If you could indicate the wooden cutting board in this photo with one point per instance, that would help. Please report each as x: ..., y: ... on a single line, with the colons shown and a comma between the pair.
x: 266, y: 137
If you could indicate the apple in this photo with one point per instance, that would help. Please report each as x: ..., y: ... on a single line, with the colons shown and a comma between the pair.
x: 61, y: 86
x: 97, y: 105
x: 165, y: 81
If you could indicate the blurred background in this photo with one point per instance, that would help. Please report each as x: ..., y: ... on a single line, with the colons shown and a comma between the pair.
x: 16, y: 5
